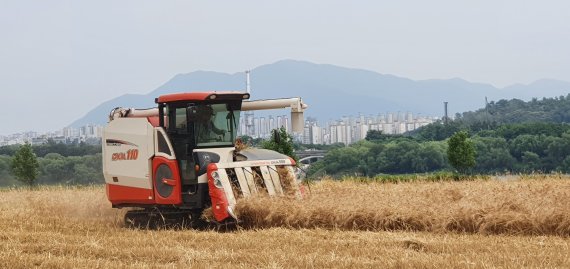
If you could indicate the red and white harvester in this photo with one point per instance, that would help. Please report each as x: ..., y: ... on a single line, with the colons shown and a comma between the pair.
x: 175, y: 160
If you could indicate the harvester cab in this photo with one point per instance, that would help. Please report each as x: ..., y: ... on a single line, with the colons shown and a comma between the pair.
x: 180, y: 158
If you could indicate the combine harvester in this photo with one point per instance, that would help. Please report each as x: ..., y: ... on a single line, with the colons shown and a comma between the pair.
x: 174, y: 161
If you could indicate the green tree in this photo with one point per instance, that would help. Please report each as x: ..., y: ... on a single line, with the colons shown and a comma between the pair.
x: 438, y: 131
x: 493, y: 155
x: 429, y: 157
x: 6, y: 179
x: 346, y: 161
x: 281, y: 142
x: 524, y: 143
x: 397, y: 156
x: 461, y: 152
x: 375, y: 135
x: 531, y: 162
x: 25, y: 166
x: 565, y: 165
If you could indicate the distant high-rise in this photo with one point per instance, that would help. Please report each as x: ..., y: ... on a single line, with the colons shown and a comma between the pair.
x: 401, y: 116
x: 316, y: 135
x: 257, y: 130
x: 287, y: 123
x: 381, y: 118
x: 409, y: 117
x: 263, y: 127
x: 272, y: 123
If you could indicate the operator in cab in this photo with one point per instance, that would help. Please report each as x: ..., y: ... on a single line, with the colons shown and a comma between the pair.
x: 206, y: 130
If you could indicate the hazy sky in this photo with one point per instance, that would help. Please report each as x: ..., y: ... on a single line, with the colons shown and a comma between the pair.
x: 59, y: 59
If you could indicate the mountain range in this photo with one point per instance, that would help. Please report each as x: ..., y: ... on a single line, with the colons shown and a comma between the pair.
x: 333, y: 91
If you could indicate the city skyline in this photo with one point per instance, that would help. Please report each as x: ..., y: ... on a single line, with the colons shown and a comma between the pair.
x: 347, y: 130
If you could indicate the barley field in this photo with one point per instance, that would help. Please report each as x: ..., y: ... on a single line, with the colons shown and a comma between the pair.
x: 509, y: 223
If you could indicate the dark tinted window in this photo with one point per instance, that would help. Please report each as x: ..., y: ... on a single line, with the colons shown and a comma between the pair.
x: 162, y: 145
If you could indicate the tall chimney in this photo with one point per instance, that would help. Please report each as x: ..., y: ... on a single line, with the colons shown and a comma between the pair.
x: 249, y: 124
x: 247, y: 85
x: 445, y: 116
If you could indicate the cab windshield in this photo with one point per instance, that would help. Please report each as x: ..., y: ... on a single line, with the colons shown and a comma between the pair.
x: 214, y: 124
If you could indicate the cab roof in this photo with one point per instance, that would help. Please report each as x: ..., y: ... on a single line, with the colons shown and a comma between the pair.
x: 201, y: 96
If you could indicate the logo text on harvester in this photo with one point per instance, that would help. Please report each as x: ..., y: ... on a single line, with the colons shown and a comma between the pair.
x: 131, y: 154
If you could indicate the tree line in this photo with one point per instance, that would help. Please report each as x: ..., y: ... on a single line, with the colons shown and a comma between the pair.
x: 79, y: 149
x: 510, y: 148
x: 508, y: 136
x: 553, y: 110
x: 81, y: 164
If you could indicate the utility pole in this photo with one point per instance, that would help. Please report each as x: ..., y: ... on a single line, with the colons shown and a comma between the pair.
x: 487, y: 112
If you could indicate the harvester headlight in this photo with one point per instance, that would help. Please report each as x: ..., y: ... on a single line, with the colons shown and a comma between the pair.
x: 217, y: 182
